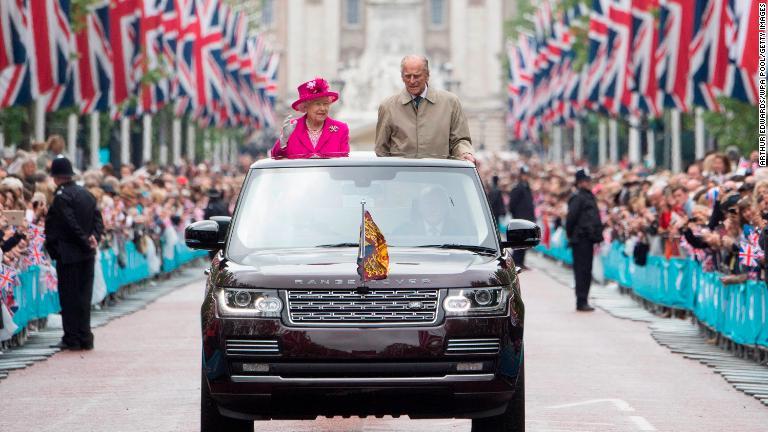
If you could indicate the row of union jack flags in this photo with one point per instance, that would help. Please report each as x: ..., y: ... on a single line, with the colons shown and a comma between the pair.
x: 131, y: 57
x: 643, y: 56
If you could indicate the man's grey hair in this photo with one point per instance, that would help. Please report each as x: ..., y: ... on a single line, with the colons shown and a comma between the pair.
x: 415, y: 57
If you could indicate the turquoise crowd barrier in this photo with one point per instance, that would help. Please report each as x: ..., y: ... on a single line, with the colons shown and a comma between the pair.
x: 35, y: 301
x: 737, y: 311
x: 558, y: 247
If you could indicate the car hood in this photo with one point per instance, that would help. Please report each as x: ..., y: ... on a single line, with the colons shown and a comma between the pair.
x: 409, y: 267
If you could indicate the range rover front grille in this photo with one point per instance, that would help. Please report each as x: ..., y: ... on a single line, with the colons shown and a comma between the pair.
x: 385, y: 306
x: 472, y: 346
x: 252, y: 347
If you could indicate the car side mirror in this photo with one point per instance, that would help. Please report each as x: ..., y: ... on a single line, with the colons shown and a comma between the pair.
x: 207, y: 234
x: 521, y: 234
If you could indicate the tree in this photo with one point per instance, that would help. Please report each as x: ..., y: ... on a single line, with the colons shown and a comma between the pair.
x: 737, y: 125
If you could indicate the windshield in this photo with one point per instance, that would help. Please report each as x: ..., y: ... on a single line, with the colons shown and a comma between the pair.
x: 286, y: 208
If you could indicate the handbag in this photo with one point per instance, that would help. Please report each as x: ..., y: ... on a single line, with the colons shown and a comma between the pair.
x: 640, y: 253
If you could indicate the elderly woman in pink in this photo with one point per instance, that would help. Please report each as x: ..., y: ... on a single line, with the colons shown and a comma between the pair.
x: 314, y: 135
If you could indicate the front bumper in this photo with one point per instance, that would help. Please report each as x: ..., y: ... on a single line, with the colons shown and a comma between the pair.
x: 361, y: 371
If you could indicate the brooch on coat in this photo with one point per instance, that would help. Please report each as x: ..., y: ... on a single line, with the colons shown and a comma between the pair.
x: 333, y: 128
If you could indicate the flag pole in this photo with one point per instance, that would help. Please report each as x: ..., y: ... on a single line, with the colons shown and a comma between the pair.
x: 361, y: 247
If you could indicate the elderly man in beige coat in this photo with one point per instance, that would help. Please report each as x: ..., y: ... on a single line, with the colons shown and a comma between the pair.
x: 422, y: 121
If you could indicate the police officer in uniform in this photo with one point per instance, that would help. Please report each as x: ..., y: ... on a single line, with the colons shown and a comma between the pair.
x: 216, y: 205
x: 584, y: 230
x: 73, y: 228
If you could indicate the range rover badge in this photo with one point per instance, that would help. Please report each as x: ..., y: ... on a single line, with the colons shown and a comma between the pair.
x: 415, y: 305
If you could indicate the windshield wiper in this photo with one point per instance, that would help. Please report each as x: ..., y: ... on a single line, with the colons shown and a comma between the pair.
x: 338, y: 245
x: 472, y: 248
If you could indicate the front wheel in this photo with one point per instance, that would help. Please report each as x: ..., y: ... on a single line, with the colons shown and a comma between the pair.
x: 511, y: 420
x: 211, y: 419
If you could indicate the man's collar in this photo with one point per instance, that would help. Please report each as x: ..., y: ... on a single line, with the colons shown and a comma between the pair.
x: 406, y: 98
x: 424, y: 93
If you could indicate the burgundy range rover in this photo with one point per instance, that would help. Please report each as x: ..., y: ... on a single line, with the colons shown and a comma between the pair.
x: 289, y: 331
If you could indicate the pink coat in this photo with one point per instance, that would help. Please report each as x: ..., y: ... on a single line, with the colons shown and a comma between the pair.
x: 333, y: 142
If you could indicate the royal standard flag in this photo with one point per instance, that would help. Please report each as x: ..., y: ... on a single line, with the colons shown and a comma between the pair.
x: 373, y: 261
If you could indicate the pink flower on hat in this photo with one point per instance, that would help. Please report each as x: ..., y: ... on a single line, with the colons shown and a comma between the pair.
x: 314, y: 89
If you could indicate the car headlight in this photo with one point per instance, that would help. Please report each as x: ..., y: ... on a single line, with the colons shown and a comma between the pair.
x: 236, y: 302
x: 476, y: 301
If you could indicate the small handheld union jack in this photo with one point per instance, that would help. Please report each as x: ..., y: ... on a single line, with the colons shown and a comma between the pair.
x: 749, y: 255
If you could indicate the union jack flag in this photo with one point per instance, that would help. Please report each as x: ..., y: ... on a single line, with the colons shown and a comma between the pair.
x: 185, y: 65
x: 13, y: 33
x: 741, y: 75
x: 268, y: 88
x: 675, y: 35
x: 123, y: 36
x: 36, y: 255
x: 7, y: 286
x: 36, y: 234
x: 614, y: 88
x: 151, y: 57
x: 708, y: 53
x: 15, y: 86
x: 94, y: 66
x: 50, y: 279
x: 9, y: 279
x: 749, y: 255
x: 209, y: 64
x: 598, y: 51
x: 50, y: 44
x: 645, y: 39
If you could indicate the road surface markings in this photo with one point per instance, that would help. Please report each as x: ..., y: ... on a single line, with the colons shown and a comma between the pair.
x: 642, y: 424
x: 620, y: 404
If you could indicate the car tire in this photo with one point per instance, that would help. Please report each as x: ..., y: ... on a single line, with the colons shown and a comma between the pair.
x: 513, y: 418
x: 211, y: 419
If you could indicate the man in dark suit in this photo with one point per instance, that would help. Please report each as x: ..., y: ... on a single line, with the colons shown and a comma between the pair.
x: 496, y: 199
x: 216, y: 205
x: 521, y: 207
x: 73, y: 229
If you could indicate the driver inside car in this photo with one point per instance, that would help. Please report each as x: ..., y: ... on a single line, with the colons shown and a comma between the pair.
x: 433, y: 216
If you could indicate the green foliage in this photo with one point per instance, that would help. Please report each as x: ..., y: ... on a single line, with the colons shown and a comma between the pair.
x: 78, y: 12
x: 737, y: 125
x: 520, y: 22
x: 14, y: 125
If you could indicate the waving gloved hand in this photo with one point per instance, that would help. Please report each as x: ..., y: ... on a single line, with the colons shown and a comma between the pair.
x: 289, y: 124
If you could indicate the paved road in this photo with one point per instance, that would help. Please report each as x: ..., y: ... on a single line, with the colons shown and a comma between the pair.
x: 584, y: 373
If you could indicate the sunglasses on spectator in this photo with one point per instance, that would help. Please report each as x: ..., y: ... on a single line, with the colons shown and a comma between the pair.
x: 733, y: 210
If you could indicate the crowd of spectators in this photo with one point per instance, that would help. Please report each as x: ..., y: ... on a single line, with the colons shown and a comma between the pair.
x: 149, y: 206
x: 715, y: 212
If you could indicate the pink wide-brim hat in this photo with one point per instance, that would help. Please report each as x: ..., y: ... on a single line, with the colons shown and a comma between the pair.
x: 315, y: 89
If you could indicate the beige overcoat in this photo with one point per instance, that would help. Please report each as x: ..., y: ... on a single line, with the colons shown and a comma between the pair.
x: 437, y: 129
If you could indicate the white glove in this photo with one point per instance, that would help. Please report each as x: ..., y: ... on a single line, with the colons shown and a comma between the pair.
x: 288, y: 126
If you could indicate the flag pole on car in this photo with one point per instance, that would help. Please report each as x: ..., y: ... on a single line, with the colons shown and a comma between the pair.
x: 361, y: 248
